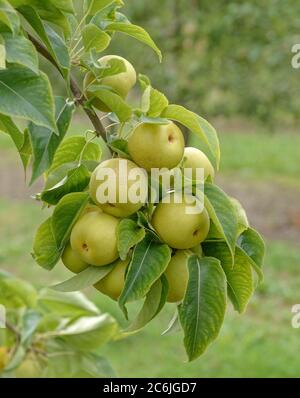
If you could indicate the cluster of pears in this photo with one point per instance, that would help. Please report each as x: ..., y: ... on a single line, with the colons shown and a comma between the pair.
x: 93, y: 240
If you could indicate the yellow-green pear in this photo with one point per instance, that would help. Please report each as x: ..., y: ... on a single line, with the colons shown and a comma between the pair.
x: 182, y: 223
x: 30, y: 368
x: 94, y: 238
x: 112, y: 284
x: 119, y: 187
x: 156, y: 145
x: 195, y: 159
x: 90, y: 208
x: 121, y: 83
x: 3, y: 357
x: 72, y: 261
x: 177, y: 275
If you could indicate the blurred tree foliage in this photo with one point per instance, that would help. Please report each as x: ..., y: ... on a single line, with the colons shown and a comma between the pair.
x: 224, y: 58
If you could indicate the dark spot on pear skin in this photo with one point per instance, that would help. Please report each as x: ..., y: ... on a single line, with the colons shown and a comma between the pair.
x: 171, y: 139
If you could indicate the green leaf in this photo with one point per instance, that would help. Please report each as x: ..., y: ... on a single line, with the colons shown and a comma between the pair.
x: 73, y: 364
x: 2, y: 55
x: 16, y: 293
x: 135, y: 31
x: 16, y: 359
x: 120, y: 146
x: 67, y: 304
x: 222, y: 213
x: 213, y: 140
x: 49, y: 322
x: 129, y: 233
x: 18, y: 3
x: 92, y: 7
x: 239, y: 276
x: 50, y: 13
x: 173, y: 326
x: 89, y: 333
x: 54, y: 43
x: 94, y: 38
x: 203, y: 309
x: 76, y: 180
x: 27, y: 96
x: 144, y: 81
x: 26, y: 150
x: 253, y: 245
x: 110, y: 68
x: 59, y: 50
x: 196, y: 125
x: 95, y: 366
x: 154, y: 301
x: 64, y: 5
x: 65, y: 362
x: 85, y: 278
x: 153, y: 102
x: 71, y: 149
x: 29, y: 323
x: 20, y: 140
x: 153, y: 120
x: 242, y: 219
x: 164, y: 293
x: 149, y: 260
x: 59, y: 175
x: 9, y: 16
x: 113, y: 101
x: 45, y: 251
x: 45, y: 142
x: 142, y: 220
x: 66, y: 214
x: 20, y: 50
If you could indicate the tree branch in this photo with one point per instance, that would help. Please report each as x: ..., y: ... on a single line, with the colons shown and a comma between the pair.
x: 17, y: 334
x: 79, y: 97
x: 13, y: 329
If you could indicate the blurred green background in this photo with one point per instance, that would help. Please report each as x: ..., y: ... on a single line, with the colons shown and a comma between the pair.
x: 223, y: 58
x: 229, y: 62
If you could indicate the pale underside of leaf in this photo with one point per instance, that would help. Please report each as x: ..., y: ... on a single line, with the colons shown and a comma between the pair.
x: 84, y: 279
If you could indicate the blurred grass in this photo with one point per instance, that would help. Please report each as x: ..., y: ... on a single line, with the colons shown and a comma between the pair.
x: 261, y: 155
x: 260, y: 343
